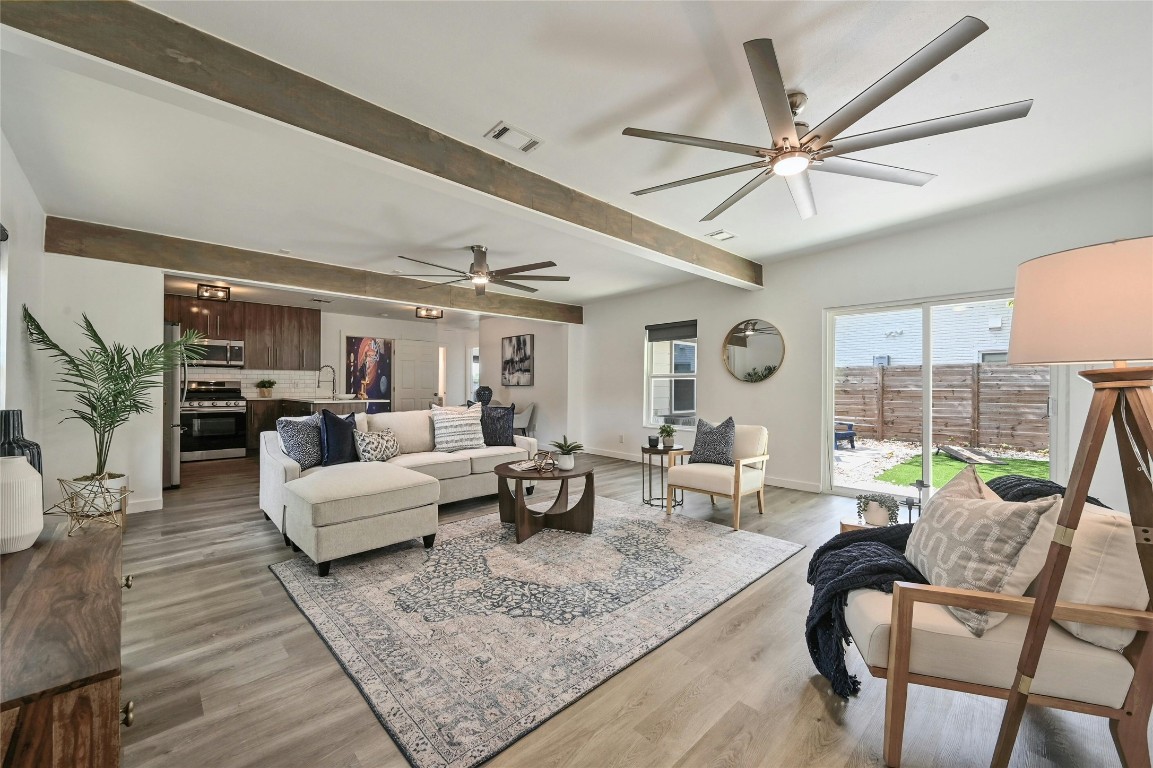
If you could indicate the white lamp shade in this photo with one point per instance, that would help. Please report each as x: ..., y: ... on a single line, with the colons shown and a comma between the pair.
x: 1087, y: 305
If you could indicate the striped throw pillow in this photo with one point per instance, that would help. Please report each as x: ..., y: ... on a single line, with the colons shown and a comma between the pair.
x: 457, y: 429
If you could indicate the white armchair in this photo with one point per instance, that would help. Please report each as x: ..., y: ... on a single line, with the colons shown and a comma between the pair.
x: 747, y: 475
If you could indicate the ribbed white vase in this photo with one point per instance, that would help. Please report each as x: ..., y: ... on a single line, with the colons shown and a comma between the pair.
x: 21, y: 504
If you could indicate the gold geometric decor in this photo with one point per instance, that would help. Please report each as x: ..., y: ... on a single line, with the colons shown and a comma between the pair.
x: 88, y: 501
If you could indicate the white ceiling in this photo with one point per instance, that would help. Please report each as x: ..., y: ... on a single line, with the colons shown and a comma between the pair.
x: 120, y: 148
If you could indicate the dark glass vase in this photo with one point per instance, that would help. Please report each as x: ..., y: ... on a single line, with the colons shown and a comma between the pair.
x: 483, y: 394
x: 13, y: 442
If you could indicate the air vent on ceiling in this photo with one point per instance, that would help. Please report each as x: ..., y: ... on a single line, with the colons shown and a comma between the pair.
x: 322, y: 301
x: 515, y: 138
x: 721, y: 234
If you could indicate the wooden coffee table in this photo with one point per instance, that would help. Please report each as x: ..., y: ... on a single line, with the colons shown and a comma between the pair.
x: 528, y: 522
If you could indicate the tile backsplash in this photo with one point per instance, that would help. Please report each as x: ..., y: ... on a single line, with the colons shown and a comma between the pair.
x: 288, y: 383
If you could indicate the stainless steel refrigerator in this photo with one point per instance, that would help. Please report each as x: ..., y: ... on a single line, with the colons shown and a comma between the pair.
x: 175, y: 382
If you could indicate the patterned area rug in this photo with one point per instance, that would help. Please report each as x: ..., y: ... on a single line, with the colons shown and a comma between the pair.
x: 462, y: 649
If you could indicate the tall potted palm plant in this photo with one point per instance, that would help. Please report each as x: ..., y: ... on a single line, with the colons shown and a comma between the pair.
x: 111, y: 382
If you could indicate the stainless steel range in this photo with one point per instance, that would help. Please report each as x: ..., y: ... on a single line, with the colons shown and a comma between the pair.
x: 213, y: 419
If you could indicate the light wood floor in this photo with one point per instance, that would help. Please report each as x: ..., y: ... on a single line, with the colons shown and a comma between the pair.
x: 226, y: 672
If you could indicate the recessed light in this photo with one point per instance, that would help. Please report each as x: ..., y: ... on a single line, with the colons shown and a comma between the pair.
x: 285, y: 251
x: 721, y: 234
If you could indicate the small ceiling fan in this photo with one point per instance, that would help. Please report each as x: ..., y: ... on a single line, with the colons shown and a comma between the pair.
x: 754, y: 328
x: 480, y: 275
x: 795, y: 148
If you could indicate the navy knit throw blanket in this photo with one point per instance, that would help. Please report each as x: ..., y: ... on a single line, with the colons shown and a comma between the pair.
x: 870, y: 558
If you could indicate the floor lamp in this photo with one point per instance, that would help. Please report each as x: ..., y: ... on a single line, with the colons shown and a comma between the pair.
x: 1079, y: 306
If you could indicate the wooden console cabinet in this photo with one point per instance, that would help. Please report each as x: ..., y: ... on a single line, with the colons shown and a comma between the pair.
x: 60, y: 677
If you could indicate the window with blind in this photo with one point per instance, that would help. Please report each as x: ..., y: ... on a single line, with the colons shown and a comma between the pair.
x: 671, y: 374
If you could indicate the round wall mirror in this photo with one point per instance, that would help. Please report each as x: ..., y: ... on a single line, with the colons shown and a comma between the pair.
x: 754, y: 350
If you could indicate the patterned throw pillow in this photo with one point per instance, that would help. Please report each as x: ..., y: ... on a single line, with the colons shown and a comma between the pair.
x: 300, y: 439
x: 456, y: 429
x: 376, y: 446
x: 714, y: 444
x: 966, y: 541
x: 496, y: 424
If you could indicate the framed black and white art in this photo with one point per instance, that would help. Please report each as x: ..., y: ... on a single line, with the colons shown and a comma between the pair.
x: 516, y: 360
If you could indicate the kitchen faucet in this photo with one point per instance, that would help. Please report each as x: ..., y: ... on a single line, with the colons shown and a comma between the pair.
x: 318, y: 373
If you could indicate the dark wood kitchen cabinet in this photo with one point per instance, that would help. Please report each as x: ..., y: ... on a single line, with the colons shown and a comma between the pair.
x: 213, y: 319
x: 262, y: 416
x: 281, y: 338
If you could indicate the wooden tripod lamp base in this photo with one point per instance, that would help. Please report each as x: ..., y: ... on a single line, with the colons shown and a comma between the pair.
x: 1093, y: 303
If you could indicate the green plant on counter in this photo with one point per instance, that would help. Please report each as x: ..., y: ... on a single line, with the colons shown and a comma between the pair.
x: 111, y: 381
x: 566, y: 448
x: 666, y: 430
x: 265, y: 384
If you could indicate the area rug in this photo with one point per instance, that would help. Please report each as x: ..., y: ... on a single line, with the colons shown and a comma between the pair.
x: 464, y: 648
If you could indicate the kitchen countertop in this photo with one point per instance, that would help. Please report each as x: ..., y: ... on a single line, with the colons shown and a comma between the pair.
x: 314, y: 400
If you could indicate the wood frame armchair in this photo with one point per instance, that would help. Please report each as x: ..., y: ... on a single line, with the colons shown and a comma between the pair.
x: 750, y: 440
x: 1128, y: 724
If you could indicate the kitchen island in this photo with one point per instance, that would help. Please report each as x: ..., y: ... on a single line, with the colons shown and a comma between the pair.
x: 264, y: 411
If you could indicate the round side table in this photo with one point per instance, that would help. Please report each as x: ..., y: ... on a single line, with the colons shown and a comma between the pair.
x: 648, y: 491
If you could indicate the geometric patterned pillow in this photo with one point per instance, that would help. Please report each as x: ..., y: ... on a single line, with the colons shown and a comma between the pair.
x: 376, y: 446
x: 457, y: 429
x: 300, y: 439
x: 973, y: 543
x: 714, y: 444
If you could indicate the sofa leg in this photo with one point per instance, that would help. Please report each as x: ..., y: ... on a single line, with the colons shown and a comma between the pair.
x: 287, y: 543
x: 428, y: 540
x: 295, y: 548
x: 322, y: 568
x: 266, y: 517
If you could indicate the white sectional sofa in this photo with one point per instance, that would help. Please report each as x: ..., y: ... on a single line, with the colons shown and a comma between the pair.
x: 336, y: 511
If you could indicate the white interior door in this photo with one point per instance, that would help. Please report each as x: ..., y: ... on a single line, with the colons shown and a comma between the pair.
x: 415, y: 375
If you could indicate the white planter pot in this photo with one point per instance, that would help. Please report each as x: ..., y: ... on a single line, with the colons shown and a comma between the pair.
x: 875, y: 514
x: 565, y: 461
x: 21, y: 504
x: 113, y: 484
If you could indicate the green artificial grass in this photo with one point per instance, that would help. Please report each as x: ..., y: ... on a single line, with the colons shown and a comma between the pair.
x: 945, y: 468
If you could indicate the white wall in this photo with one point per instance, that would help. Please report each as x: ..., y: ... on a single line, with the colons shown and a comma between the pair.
x: 551, y: 379
x: 970, y: 255
x: 126, y: 304
x: 21, y: 282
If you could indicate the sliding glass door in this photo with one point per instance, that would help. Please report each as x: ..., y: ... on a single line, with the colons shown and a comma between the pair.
x: 947, y: 360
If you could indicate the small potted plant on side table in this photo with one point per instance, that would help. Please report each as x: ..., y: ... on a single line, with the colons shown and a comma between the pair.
x: 264, y: 387
x: 566, y: 452
x: 667, y: 432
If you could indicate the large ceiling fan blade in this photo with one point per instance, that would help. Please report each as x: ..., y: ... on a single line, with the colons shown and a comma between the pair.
x: 450, y: 282
x: 925, y: 128
x: 952, y: 40
x: 771, y: 88
x: 523, y: 268
x: 802, y: 191
x: 694, y: 141
x: 555, y: 278
x: 507, y: 284
x: 703, y: 177
x: 848, y: 167
x: 755, y: 182
x: 430, y: 264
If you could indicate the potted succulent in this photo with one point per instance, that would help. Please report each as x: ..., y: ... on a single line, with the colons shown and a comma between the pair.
x: 111, y: 383
x: 566, y: 452
x: 667, y: 432
x: 264, y: 387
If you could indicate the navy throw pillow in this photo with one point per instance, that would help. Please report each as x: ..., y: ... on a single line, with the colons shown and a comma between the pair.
x: 337, y: 444
x: 496, y: 423
x: 714, y: 444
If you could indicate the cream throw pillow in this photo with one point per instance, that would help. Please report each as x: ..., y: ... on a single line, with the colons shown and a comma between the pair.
x: 964, y: 539
x: 1103, y: 569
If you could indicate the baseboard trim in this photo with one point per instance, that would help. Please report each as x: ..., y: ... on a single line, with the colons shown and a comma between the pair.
x: 793, y: 485
x: 635, y: 457
x: 145, y: 505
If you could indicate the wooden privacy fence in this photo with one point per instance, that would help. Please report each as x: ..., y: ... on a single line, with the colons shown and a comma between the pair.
x: 983, y: 404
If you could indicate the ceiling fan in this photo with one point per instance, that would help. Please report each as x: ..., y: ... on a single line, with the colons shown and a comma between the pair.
x: 795, y: 148
x: 754, y: 328
x: 480, y: 275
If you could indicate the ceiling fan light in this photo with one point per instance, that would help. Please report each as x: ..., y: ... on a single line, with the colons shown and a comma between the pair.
x: 790, y: 163
x: 479, y: 279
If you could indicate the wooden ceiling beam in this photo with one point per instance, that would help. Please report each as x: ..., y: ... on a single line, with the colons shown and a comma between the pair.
x: 173, y: 254
x: 143, y: 40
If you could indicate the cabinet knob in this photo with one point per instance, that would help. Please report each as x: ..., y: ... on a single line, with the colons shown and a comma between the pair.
x: 128, y: 581
x: 128, y: 714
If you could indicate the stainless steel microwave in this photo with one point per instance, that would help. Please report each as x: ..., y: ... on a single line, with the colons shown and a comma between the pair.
x: 222, y: 353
